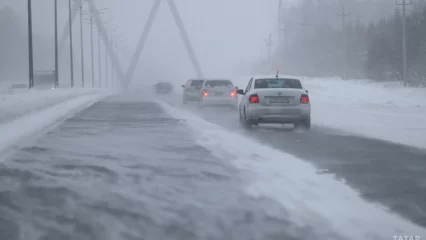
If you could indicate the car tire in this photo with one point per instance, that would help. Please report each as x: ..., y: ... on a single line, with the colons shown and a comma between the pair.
x: 184, y: 100
x: 200, y: 104
x: 246, y: 123
x: 305, y: 124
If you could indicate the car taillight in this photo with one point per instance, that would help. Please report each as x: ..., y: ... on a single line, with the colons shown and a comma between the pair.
x: 204, y: 92
x: 304, y: 99
x: 254, y: 98
x: 233, y: 93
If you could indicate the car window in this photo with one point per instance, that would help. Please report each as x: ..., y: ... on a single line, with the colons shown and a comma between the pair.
x: 218, y: 83
x: 196, y: 83
x: 249, y: 85
x: 277, y: 83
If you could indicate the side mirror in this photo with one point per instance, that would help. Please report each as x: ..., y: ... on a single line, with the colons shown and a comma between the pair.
x: 183, y: 86
x: 307, y: 91
x: 240, y: 91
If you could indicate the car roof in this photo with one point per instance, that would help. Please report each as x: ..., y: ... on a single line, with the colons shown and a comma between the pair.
x: 274, y: 76
x: 287, y: 78
x: 218, y: 79
x: 196, y: 79
x: 209, y: 79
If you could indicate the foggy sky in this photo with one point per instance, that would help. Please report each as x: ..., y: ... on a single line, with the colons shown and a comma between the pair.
x: 224, y: 33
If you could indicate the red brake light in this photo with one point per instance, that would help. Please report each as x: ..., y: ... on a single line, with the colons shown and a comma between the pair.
x: 304, y: 99
x: 254, y: 98
x: 204, y: 92
x: 233, y: 93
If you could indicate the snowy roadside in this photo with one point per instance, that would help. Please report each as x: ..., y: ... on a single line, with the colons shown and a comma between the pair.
x: 47, y: 116
x: 379, y: 110
x: 22, y: 102
x: 313, y: 200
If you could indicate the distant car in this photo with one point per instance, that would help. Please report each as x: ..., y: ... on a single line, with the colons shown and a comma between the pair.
x: 163, y: 87
x: 275, y: 100
x: 217, y: 92
x: 192, y: 90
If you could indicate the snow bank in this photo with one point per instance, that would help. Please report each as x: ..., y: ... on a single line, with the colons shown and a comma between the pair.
x: 384, y: 111
x: 23, y: 101
x: 20, y: 129
x: 312, y: 200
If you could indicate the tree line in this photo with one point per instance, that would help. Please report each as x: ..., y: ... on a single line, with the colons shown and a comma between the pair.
x: 314, y: 40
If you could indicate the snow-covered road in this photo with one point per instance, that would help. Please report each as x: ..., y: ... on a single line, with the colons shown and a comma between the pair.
x: 129, y: 167
x: 125, y: 169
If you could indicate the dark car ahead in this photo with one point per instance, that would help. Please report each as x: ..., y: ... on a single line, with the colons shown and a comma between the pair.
x: 163, y: 87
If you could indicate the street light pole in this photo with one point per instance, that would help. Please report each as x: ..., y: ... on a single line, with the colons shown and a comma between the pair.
x: 404, y: 3
x: 280, y: 35
x: 99, y: 59
x: 269, y: 45
x: 71, y: 50
x: 344, y: 14
x: 106, y: 63
x: 112, y: 68
x: 56, y: 46
x: 91, y: 46
x: 30, y: 47
x: 81, y: 42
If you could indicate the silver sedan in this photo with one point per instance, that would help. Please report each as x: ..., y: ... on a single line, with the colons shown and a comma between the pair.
x: 275, y: 100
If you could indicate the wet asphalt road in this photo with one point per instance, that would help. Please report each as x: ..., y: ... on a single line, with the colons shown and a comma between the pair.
x: 122, y: 169
x: 383, y: 172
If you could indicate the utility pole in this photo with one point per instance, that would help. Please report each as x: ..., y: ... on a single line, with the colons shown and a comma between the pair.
x: 30, y: 47
x: 56, y: 46
x: 280, y: 35
x: 343, y: 15
x: 106, y: 62
x: 92, y: 50
x: 81, y: 43
x: 269, y: 46
x: 112, y: 69
x: 99, y: 59
x: 100, y: 25
x: 404, y: 3
x: 64, y: 35
x: 71, y: 50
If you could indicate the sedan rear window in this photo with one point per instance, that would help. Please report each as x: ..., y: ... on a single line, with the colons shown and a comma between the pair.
x: 164, y: 84
x: 219, y: 83
x: 277, y: 83
x: 195, y: 83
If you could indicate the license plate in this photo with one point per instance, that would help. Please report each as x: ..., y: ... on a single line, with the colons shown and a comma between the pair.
x: 218, y: 94
x: 279, y: 100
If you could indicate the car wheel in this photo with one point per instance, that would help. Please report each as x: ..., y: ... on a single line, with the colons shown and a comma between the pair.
x: 200, y: 103
x: 184, y: 100
x: 246, y: 123
x: 304, y: 124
